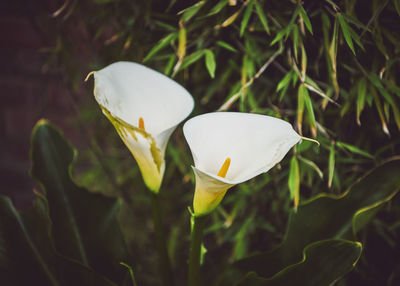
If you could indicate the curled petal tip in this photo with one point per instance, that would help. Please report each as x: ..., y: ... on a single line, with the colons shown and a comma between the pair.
x: 88, y: 76
x: 311, y: 140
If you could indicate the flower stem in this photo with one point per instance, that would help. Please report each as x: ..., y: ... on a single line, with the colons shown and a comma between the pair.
x: 164, y: 261
x: 195, y: 247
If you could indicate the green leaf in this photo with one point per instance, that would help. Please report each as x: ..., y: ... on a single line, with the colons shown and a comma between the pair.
x: 285, y: 81
x: 320, y: 219
x: 166, y: 26
x: 323, y: 263
x: 354, y: 149
x: 377, y: 83
x: 296, y: 41
x: 346, y: 32
x: 226, y: 46
x: 27, y: 255
x: 246, y: 17
x: 300, y: 106
x: 191, y: 59
x: 294, y: 181
x: 130, y: 273
x: 210, y: 62
x: 85, y: 227
x: 261, y: 16
x: 361, y: 93
x: 312, y: 165
x: 356, y: 38
x: 282, y: 33
x: 357, y: 23
x: 397, y: 6
x: 169, y: 65
x: 160, y: 45
x: 286, y: 31
x: 189, y: 12
x: 309, y: 108
x: 306, y: 20
x: 331, y: 164
x: 215, y: 10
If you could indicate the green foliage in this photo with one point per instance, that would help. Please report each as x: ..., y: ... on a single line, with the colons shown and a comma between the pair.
x: 28, y: 252
x: 323, y: 262
x: 321, y: 218
x: 84, y: 225
x: 67, y: 229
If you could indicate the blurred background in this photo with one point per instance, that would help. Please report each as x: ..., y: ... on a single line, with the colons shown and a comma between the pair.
x: 345, y: 54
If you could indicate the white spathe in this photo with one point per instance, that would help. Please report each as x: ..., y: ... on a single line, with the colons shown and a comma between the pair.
x: 127, y: 91
x: 255, y: 143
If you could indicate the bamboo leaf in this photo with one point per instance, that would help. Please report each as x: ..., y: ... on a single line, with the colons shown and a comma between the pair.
x: 285, y: 81
x: 331, y: 166
x: 377, y: 83
x: 357, y: 23
x: 282, y: 33
x: 361, y: 92
x: 312, y: 165
x: 189, y: 12
x: 218, y: 7
x: 160, y: 45
x: 303, y: 62
x: 181, y: 42
x: 231, y: 19
x: 191, y: 59
x: 226, y: 46
x: 294, y: 181
x: 169, y: 65
x: 286, y: 31
x: 166, y: 26
x: 210, y: 62
x: 246, y: 17
x: 354, y: 149
x: 262, y: 17
x: 380, y: 110
x: 306, y: 20
x: 300, y: 107
x: 346, y: 32
x: 397, y: 6
x: 309, y: 108
x: 356, y: 38
x: 296, y: 41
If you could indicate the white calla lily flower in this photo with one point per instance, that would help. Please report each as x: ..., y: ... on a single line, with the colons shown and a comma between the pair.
x: 145, y: 107
x: 229, y: 148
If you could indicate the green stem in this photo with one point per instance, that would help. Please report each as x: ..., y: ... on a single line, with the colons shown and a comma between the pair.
x: 164, y: 261
x: 195, y: 247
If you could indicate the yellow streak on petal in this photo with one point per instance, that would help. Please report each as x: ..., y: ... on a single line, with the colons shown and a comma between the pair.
x: 141, y: 123
x: 224, y: 169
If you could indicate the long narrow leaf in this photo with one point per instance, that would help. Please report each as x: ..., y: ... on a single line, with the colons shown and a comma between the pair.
x: 262, y: 17
x: 246, y: 17
x: 294, y: 181
x: 210, y: 62
x: 161, y: 44
x: 346, y: 32
x: 306, y: 20
x: 354, y: 149
x: 331, y: 167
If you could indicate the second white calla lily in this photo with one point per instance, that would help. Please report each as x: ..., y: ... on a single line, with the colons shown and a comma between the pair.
x: 229, y: 148
x: 145, y: 107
